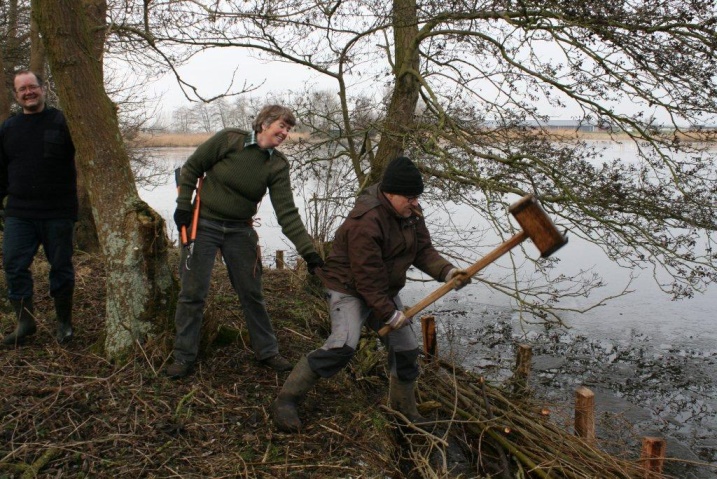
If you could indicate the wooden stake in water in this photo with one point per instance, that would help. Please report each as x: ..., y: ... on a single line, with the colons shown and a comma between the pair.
x: 428, y: 326
x: 653, y: 456
x: 585, y: 413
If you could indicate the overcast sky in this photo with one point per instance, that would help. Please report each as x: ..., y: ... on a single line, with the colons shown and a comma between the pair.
x: 211, y: 72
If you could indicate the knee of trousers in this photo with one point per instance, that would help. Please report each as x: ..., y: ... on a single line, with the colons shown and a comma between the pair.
x: 328, y: 362
x: 64, y: 290
x: 407, y: 364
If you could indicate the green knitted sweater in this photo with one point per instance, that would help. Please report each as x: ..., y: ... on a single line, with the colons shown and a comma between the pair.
x: 236, y: 179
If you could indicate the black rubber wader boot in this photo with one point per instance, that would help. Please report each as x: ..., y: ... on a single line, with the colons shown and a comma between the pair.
x: 297, y: 385
x: 26, y: 326
x: 402, y: 399
x: 63, y: 312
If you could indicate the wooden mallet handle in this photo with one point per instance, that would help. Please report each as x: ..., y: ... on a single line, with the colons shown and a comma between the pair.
x: 535, y: 225
x: 470, y: 271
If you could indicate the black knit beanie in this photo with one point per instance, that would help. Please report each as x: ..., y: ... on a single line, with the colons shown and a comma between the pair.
x: 402, y: 178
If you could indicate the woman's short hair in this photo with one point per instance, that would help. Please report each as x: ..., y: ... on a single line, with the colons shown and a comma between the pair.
x: 269, y: 114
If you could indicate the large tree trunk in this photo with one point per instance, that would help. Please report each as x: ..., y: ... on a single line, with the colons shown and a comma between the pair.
x: 4, y: 99
x: 404, y: 99
x: 9, y: 53
x: 37, y: 50
x: 140, y: 284
x: 86, y: 231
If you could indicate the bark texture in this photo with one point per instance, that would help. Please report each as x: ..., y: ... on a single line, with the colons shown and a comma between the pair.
x: 9, y: 56
x: 404, y: 98
x: 4, y: 99
x: 140, y: 283
x: 37, y: 50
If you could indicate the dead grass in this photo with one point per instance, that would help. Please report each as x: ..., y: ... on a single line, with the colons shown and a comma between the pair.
x: 68, y: 412
x: 183, y: 140
x: 173, y: 140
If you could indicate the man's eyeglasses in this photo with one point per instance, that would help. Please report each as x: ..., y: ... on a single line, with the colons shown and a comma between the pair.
x: 26, y: 88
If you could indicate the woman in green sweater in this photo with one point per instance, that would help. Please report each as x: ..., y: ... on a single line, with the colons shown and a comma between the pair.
x: 237, y: 168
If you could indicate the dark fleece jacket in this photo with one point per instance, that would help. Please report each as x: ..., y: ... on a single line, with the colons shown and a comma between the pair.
x: 374, y: 248
x: 37, y: 166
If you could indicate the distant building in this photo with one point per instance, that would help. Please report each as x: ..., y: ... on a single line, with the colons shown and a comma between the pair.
x: 572, y: 125
x: 564, y: 125
x: 703, y: 128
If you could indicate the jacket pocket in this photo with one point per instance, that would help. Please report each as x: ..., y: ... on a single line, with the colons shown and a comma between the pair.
x: 54, y: 144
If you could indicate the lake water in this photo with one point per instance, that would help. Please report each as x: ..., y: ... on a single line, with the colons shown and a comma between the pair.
x: 649, y: 360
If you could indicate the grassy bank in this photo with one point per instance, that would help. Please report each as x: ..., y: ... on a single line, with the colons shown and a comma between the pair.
x: 68, y: 412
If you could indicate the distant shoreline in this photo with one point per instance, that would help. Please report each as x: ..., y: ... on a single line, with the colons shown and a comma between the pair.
x: 169, y: 140
x: 189, y: 140
x: 178, y: 140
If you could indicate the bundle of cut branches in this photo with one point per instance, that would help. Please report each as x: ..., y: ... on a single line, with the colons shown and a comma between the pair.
x: 499, y: 435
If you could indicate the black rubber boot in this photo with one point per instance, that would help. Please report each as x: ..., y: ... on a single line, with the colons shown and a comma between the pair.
x: 26, y: 326
x: 63, y: 311
x: 299, y: 382
x: 403, y: 399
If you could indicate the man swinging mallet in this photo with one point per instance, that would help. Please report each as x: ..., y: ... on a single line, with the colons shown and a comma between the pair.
x: 384, y: 235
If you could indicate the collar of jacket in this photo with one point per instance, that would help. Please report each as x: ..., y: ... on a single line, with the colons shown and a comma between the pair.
x: 372, y: 198
x: 251, y: 140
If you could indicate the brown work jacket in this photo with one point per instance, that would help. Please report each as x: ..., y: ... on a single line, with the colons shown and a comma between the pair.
x: 374, y: 248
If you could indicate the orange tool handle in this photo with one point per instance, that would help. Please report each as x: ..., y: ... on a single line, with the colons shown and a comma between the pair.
x: 195, y: 218
x: 184, y: 235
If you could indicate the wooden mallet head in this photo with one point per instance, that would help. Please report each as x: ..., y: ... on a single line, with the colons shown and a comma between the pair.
x: 536, y: 224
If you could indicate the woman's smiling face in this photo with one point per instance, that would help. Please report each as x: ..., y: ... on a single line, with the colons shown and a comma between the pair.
x: 274, y: 134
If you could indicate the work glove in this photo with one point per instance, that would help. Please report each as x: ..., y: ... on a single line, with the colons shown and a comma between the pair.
x: 398, y: 320
x: 182, y: 218
x: 461, y: 276
x: 313, y: 261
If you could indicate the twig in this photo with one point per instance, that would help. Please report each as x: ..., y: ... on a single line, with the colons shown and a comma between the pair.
x: 144, y: 353
x: 413, y: 426
x: 297, y: 333
x: 36, y: 467
x: 503, y: 459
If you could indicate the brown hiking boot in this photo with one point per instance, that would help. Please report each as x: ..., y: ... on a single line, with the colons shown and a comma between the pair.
x: 179, y: 369
x: 277, y: 363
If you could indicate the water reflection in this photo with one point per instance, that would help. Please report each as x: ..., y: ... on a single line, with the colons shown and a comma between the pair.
x: 669, y: 393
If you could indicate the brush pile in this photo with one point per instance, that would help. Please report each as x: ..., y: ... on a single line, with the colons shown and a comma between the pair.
x: 499, y: 435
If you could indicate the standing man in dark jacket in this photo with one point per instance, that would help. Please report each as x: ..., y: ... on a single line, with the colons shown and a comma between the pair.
x: 383, y: 236
x: 240, y: 168
x: 38, y: 176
